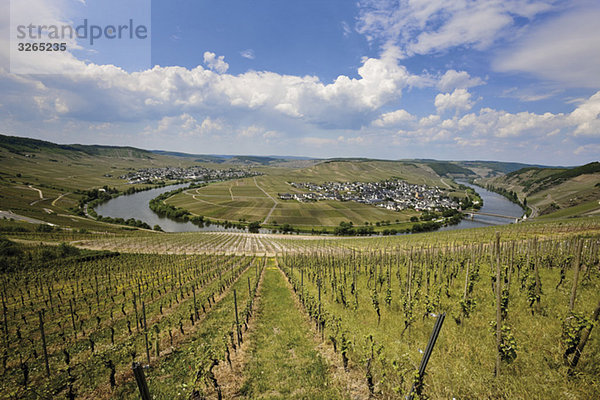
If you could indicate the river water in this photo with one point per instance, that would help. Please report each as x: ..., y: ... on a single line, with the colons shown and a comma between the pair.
x: 493, y: 203
x: 136, y: 206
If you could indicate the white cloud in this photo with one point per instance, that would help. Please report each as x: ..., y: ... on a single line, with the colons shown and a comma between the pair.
x: 215, y: 63
x: 586, y: 117
x: 393, y: 118
x: 112, y: 94
x: 346, y: 29
x: 317, y: 141
x: 423, y: 27
x: 592, y: 149
x: 453, y: 79
x: 529, y: 94
x: 186, y: 125
x: 565, y: 49
x: 459, y: 100
x: 248, y: 53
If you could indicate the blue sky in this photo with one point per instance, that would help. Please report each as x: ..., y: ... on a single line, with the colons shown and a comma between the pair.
x: 516, y: 80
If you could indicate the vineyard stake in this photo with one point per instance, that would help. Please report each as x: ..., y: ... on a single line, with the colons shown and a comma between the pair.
x: 498, y: 306
x: 6, y: 343
x: 584, y: 338
x: 577, y: 262
x: 417, y: 387
x: 146, y: 332
x: 237, y: 321
x: 195, y: 308
x: 73, y: 318
x: 44, y: 343
x: 138, y: 372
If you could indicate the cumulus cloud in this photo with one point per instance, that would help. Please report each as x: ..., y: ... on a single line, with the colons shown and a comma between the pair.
x: 565, y: 49
x: 459, y: 100
x: 108, y: 93
x: 186, y: 125
x: 586, y: 117
x: 423, y: 27
x: 453, y: 79
x: 393, y: 118
x: 215, y: 63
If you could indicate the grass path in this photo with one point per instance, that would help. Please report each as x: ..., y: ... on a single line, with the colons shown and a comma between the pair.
x: 283, y: 362
x: 269, y: 196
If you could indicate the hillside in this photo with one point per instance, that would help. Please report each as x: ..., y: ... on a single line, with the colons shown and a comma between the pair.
x: 550, y: 190
x: 257, y: 199
x: 25, y: 146
x: 43, y: 180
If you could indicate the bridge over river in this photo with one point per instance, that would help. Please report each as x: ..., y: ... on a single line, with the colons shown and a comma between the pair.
x: 473, y: 213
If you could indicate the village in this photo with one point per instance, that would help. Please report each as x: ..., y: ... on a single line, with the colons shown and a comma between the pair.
x: 149, y: 175
x: 394, y: 195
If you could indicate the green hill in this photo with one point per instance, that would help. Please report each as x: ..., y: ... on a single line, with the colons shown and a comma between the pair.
x: 23, y: 146
x: 549, y: 190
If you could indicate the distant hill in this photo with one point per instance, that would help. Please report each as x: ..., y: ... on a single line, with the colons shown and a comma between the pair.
x: 233, y: 159
x: 552, y: 189
x: 23, y: 146
x: 470, y: 169
x: 449, y: 169
x: 497, y: 167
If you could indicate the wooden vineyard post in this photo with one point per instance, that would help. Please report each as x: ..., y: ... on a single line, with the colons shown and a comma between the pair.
x: 138, y: 372
x: 195, y: 307
x: 44, y: 343
x: 146, y: 332
x: 576, y: 265
x: 302, y: 285
x: 417, y: 387
x: 584, y: 338
x: 498, y: 307
x: 73, y: 318
x: 467, y: 282
x: 237, y: 321
x: 5, y: 320
x: 538, y: 282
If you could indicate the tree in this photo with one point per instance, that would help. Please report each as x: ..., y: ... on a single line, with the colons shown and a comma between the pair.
x: 253, y: 227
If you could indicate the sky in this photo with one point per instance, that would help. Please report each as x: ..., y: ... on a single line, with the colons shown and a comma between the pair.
x: 512, y: 80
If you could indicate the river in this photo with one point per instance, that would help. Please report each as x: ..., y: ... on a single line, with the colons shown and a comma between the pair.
x: 493, y: 203
x: 136, y: 206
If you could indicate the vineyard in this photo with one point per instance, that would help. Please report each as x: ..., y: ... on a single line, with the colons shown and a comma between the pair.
x: 271, y: 245
x: 221, y: 315
x: 377, y: 310
x: 72, y: 331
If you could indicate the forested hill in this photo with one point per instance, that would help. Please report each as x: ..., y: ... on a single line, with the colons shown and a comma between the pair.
x: 555, y: 189
x: 23, y: 146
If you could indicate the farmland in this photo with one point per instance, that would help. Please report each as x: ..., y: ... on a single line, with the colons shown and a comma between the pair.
x: 256, y: 199
x: 86, y: 308
x: 214, y: 315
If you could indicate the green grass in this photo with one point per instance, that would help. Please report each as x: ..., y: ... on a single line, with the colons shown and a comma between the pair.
x: 581, y: 209
x: 283, y: 362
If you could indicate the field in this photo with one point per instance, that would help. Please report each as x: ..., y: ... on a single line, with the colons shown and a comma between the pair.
x: 170, y: 301
x: 213, y: 315
x: 256, y: 199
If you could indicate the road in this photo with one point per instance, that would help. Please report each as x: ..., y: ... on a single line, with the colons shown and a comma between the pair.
x: 37, y: 190
x: 444, y: 182
x: 269, y: 196
x: 59, y: 197
x: 17, y: 217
